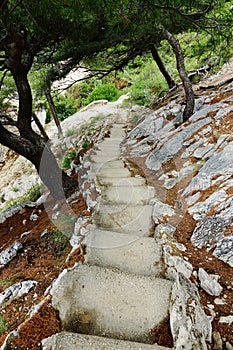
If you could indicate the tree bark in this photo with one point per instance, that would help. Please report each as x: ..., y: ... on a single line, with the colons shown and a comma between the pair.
x: 189, y: 94
x: 53, y: 111
x: 41, y: 156
x: 40, y: 126
x: 31, y: 145
x: 170, y: 81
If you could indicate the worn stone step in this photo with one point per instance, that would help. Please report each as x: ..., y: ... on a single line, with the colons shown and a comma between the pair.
x: 127, y: 194
x: 74, y: 341
x: 124, y: 218
x: 117, y: 131
x: 114, y: 152
x: 113, y: 164
x: 105, y: 302
x: 108, y: 171
x: 103, y: 158
x: 118, y: 172
x: 119, y: 181
x: 133, y: 254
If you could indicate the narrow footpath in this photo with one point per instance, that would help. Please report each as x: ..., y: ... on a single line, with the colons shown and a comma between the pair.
x: 118, y: 296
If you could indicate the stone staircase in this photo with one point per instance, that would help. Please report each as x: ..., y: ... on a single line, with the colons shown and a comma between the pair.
x: 117, y: 297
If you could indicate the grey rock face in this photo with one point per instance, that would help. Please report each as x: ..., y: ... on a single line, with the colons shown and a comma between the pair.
x: 209, y: 230
x: 219, y: 164
x: 190, y: 326
x: 173, y: 145
x: 224, y: 250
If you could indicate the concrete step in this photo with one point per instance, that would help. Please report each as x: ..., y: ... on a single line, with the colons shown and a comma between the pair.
x: 117, y: 131
x: 118, y: 172
x: 108, y: 171
x: 114, y: 164
x: 103, y: 158
x: 104, y: 302
x: 74, y: 341
x: 124, y: 218
x: 133, y: 254
x: 102, y: 155
x: 127, y: 194
x: 119, y: 181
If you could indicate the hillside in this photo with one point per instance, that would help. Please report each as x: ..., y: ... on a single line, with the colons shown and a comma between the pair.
x: 188, y: 166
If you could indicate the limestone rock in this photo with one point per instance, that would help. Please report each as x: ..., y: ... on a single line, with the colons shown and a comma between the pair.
x: 190, y: 326
x: 224, y: 250
x: 16, y: 291
x: 209, y: 283
x: 9, y: 253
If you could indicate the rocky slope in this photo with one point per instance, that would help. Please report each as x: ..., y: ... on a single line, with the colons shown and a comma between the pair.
x: 187, y: 236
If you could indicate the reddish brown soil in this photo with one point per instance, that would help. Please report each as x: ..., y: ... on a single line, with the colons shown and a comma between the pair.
x: 41, y: 259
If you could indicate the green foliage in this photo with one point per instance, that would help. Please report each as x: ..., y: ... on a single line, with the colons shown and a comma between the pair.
x: 70, y: 132
x: 104, y: 92
x: 58, y: 241
x: 70, y: 155
x: 86, y: 144
x: 3, y: 325
x: 65, y: 107
x: 33, y: 194
x: 146, y: 83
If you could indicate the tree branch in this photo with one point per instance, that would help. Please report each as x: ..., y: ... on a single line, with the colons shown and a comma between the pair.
x: 8, y: 120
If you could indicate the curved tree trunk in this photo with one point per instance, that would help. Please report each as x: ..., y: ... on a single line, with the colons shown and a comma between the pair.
x: 170, y: 81
x: 41, y: 156
x: 31, y: 145
x: 189, y: 94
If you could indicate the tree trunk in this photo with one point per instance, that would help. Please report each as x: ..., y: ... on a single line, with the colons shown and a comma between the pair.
x: 57, y: 181
x: 170, y: 81
x: 53, y: 111
x: 31, y: 145
x: 189, y: 94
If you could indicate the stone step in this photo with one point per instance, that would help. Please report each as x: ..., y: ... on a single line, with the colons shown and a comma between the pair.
x: 109, y: 143
x: 119, y: 181
x: 74, y: 341
x: 117, y: 131
x: 114, y: 164
x: 99, y: 301
x: 127, y: 194
x: 103, y: 158
x: 107, y: 153
x: 123, y: 218
x: 108, y: 171
x: 133, y: 254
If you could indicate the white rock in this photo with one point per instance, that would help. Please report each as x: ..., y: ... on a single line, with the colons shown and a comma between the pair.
x: 160, y: 210
x: 226, y: 319
x: 16, y: 291
x: 209, y: 283
x: 9, y: 253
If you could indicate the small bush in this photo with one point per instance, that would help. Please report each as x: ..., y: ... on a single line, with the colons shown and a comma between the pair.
x: 104, y: 92
x: 33, y: 194
x: 70, y: 132
x: 68, y: 159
